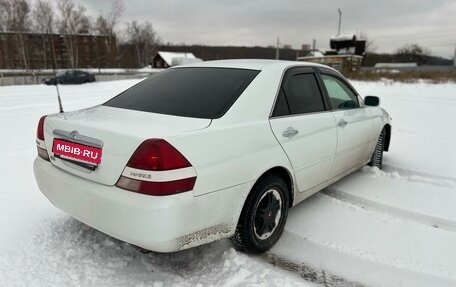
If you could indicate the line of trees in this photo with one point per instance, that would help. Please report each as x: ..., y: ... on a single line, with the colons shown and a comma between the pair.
x: 70, y: 18
x: 410, y: 53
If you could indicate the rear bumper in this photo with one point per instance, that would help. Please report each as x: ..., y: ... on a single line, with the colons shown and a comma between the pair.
x: 158, y: 223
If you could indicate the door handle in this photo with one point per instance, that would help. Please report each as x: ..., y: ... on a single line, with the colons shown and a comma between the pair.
x: 342, y: 123
x: 290, y: 132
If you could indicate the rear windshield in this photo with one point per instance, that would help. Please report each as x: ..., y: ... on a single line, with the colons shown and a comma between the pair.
x: 187, y: 92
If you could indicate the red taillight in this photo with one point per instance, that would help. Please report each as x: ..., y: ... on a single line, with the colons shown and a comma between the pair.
x: 157, y: 154
x: 40, y: 129
x: 157, y: 168
x: 41, y: 146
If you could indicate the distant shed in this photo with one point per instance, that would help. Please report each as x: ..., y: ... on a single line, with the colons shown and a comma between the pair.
x: 344, y: 63
x: 169, y: 59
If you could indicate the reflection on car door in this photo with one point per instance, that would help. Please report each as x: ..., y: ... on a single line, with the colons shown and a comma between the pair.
x: 305, y: 128
x: 354, y: 124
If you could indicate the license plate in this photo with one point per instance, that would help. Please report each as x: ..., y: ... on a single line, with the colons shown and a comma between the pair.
x: 76, y: 151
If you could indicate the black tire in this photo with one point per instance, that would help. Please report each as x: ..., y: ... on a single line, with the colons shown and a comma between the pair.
x: 377, y: 156
x: 260, y: 224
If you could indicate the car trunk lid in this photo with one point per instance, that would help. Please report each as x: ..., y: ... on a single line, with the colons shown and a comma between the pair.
x: 117, y: 132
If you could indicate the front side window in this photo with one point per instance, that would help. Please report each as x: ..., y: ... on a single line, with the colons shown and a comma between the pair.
x: 340, y: 95
x: 187, y: 92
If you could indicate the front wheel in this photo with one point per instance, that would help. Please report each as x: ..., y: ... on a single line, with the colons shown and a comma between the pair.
x: 263, y: 217
x: 377, y: 156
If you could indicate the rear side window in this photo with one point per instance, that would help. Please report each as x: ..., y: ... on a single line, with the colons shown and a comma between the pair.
x: 187, y: 92
x: 281, y: 106
x: 302, y: 94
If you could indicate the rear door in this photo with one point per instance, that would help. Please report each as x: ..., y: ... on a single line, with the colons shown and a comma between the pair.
x: 354, y: 122
x: 305, y: 128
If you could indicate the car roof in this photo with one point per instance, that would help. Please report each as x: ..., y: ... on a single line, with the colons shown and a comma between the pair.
x: 253, y: 64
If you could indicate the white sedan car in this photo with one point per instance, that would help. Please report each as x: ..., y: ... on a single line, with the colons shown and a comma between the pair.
x: 207, y: 151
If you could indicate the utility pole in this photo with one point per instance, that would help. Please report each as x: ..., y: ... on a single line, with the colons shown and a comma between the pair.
x: 454, y: 57
x: 340, y: 20
x: 277, y: 49
x: 314, y: 44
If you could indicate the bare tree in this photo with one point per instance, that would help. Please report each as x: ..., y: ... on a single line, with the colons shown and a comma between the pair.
x: 145, y: 40
x: 3, y: 24
x: 413, y: 53
x: 15, y: 17
x: 73, y: 20
x: 370, y: 44
x: 3, y: 15
x: 43, y: 17
x: 106, y: 25
x: 101, y: 25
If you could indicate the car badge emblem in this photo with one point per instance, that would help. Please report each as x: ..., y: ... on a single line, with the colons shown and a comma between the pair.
x: 74, y: 134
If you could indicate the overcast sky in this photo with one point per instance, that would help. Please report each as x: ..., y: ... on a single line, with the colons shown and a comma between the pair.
x: 389, y: 24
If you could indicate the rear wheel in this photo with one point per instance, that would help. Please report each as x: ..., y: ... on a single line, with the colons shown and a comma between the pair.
x: 377, y: 156
x: 263, y: 216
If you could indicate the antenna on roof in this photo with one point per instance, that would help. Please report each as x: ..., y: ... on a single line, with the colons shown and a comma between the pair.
x: 340, y: 20
x: 55, y: 74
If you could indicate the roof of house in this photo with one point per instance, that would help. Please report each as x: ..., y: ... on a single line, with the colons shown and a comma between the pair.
x: 169, y: 56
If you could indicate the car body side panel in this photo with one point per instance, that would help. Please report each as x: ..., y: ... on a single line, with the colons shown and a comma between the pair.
x: 230, y: 155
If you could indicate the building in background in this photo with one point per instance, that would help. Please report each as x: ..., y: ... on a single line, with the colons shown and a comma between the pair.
x: 346, y: 55
x: 42, y: 51
x: 168, y: 59
x: 208, y: 53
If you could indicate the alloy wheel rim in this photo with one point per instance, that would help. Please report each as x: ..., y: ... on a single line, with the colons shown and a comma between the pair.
x: 268, y: 212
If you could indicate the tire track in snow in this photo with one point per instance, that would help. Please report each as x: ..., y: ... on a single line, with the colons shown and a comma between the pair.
x: 364, y: 200
x: 430, y: 221
x: 308, y: 272
x: 319, y: 237
x: 423, y: 177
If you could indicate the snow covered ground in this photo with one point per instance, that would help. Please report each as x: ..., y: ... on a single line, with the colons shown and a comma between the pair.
x: 393, y: 228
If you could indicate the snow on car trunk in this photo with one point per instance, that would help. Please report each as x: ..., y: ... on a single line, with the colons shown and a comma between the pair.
x: 113, y: 133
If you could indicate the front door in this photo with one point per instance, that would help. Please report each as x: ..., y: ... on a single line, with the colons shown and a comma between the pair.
x: 354, y: 124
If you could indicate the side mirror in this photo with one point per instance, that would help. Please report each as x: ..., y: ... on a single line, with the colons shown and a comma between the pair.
x: 371, y: 101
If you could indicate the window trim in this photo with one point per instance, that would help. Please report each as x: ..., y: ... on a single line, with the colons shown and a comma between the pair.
x: 296, y: 70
